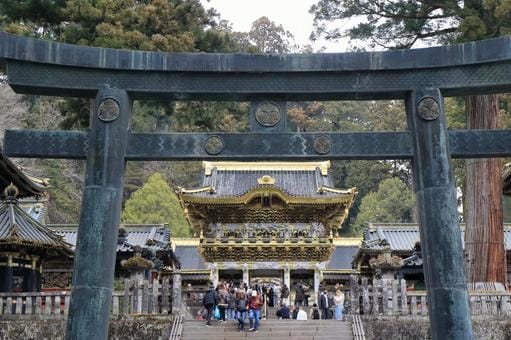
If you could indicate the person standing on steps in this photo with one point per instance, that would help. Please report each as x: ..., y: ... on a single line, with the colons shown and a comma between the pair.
x: 210, y: 300
x: 254, y: 310
x: 276, y: 292
x: 284, y: 294
x: 306, y: 295
x: 230, y: 311
x: 300, y: 295
x: 223, y: 296
x: 339, y: 304
x: 271, y: 296
x: 241, y: 308
x: 324, y: 305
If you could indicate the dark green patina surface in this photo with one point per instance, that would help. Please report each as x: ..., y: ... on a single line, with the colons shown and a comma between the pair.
x: 421, y: 77
x: 254, y: 146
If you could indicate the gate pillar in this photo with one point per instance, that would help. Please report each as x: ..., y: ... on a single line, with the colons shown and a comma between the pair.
x: 177, y: 284
x: 95, y: 253
x: 438, y: 217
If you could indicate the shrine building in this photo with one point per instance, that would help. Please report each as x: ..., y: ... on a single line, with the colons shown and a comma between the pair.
x: 263, y: 222
x: 26, y: 245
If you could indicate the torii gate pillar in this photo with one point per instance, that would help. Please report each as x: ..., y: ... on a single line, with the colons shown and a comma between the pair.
x: 94, y: 262
x: 438, y: 217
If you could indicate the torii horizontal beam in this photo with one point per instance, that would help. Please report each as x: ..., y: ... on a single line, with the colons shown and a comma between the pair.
x: 256, y: 146
x: 52, y: 68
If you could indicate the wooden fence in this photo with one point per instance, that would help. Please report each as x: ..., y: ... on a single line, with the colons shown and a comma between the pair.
x: 390, y: 297
x: 144, y: 297
x: 382, y: 297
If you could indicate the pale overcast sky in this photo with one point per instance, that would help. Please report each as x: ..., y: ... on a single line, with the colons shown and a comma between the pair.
x: 293, y: 15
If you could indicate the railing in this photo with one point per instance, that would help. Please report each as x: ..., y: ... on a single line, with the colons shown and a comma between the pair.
x: 260, y: 239
x: 138, y: 297
x: 358, y: 328
x: 46, y: 303
x: 311, y: 231
x: 481, y: 303
x: 177, y: 328
x: 386, y: 297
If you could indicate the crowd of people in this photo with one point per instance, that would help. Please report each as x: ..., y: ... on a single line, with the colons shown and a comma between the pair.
x: 330, y: 306
x: 230, y: 301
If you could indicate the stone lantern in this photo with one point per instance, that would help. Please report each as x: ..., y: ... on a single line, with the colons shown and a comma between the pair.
x: 386, y: 265
x: 137, y: 265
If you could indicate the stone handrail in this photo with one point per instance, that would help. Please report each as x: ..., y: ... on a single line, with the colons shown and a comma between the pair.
x: 38, y: 303
x: 391, y: 297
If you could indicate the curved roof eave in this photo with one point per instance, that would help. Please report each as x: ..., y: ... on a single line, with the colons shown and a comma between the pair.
x: 28, y: 186
x: 346, y: 197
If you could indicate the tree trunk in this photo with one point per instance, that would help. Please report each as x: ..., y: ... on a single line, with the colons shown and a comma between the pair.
x: 485, y: 254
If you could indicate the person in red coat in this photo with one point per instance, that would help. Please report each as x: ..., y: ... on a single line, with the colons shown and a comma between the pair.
x: 254, y: 310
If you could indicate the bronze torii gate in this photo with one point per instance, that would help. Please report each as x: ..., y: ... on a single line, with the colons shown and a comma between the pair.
x: 113, y: 78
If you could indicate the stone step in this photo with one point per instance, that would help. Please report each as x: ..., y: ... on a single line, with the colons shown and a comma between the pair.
x: 289, y: 322
x: 265, y: 324
x: 269, y: 329
x: 261, y: 334
x: 243, y: 337
x: 230, y: 327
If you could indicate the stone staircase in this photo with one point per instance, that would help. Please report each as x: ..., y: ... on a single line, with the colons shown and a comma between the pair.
x: 270, y: 330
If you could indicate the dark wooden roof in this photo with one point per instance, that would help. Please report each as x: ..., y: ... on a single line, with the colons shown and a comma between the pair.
x: 342, y: 257
x: 401, y: 238
x: 150, y: 236
x: 190, y: 258
x: 293, y: 183
x: 18, y: 229
x: 11, y: 173
x: 306, y: 179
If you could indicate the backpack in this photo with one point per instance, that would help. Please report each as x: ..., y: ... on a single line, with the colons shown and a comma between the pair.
x: 222, y: 296
x: 241, y: 305
x: 315, y: 314
x: 227, y: 298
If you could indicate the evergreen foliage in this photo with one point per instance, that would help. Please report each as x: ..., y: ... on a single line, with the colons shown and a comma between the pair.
x: 155, y: 202
x: 401, y: 23
x: 269, y: 37
x: 393, y: 202
x: 65, y: 189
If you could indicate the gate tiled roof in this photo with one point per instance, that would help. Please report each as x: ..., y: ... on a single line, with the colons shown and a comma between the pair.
x: 18, y: 228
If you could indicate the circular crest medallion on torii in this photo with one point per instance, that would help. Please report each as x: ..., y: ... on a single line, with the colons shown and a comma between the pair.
x: 428, y: 108
x: 268, y: 114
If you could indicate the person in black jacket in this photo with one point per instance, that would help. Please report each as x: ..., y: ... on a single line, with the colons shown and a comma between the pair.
x: 300, y: 295
x: 294, y: 312
x: 284, y: 294
x: 324, y: 305
x: 283, y: 312
x: 210, y: 300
